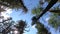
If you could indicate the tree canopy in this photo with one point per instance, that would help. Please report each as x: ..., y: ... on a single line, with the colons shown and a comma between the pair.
x: 8, y: 23
x: 13, y: 4
x: 53, y: 21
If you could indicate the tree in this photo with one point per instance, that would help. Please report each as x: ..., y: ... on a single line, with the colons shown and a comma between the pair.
x: 13, y: 4
x: 6, y: 23
x: 8, y: 29
x: 51, y: 3
x: 41, y: 29
x: 41, y: 11
x: 21, y: 26
x: 35, y: 11
x: 55, y: 22
x: 9, y: 26
x: 54, y: 19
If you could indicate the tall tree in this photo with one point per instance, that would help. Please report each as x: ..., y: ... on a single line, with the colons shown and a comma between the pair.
x: 41, y: 29
x: 13, y: 4
x: 21, y: 26
x: 39, y: 10
x: 51, y: 3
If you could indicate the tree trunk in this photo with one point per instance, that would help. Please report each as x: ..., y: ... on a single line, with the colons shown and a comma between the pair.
x: 51, y: 3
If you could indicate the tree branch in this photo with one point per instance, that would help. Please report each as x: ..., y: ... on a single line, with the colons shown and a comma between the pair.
x: 55, y: 11
x: 51, y: 3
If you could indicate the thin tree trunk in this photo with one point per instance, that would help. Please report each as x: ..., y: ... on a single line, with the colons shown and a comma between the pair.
x: 51, y: 3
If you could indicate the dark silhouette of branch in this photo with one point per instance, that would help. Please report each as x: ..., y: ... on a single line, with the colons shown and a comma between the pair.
x: 51, y: 3
x: 23, y: 6
x: 6, y: 20
x: 5, y: 31
x: 55, y: 11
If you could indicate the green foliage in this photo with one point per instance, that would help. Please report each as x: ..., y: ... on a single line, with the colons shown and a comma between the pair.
x: 41, y: 29
x: 36, y: 10
x: 54, y: 21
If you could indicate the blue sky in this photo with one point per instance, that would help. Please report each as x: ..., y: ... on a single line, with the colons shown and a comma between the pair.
x: 19, y: 15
